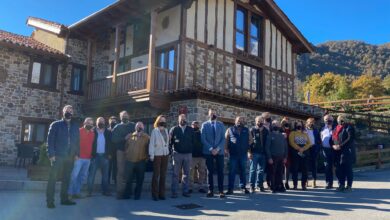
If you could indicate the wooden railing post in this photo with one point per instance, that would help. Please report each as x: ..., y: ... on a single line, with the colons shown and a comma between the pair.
x: 152, y: 50
x: 116, y: 61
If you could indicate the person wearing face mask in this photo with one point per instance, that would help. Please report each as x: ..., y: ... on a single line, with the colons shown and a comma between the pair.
x: 300, y: 143
x: 137, y: 147
x: 120, y: 134
x: 158, y: 154
x: 327, y: 150
x: 267, y: 120
x: 112, y: 121
x: 343, y: 144
x: 286, y: 130
x: 276, y: 151
x: 81, y: 165
x: 315, y: 140
x: 213, y: 140
x: 181, y: 146
x: 101, y: 154
x: 63, y: 148
x: 257, y: 155
x: 198, y: 165
x: 239, y: 140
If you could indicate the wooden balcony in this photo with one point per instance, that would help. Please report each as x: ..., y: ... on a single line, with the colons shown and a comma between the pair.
x: 131, y: 86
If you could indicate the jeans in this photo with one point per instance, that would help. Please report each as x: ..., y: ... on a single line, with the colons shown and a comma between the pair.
x: 180, y: 161
x: 256, y: 170
x: 234, y: 164
x: 219, y: 161
x: 137, y: 170
x: 328, y: 154
x: 65, y: 164
x: 99, y: 162
x: 79, y: 174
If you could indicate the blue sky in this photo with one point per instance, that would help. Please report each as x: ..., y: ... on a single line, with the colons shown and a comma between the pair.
x: 318, y: 20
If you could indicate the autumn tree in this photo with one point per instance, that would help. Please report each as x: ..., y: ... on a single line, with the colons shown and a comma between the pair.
x: 366, y: 85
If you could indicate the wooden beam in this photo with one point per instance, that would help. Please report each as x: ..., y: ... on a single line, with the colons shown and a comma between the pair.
x: 116, y: 60
x: 152, y: 51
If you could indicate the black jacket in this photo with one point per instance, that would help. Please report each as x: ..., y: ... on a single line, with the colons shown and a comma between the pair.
x: 259, y: 140
x: 181, y: 142
x: 197, y: 150
x: 107, y: 136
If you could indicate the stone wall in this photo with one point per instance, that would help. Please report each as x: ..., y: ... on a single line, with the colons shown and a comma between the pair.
x: 18, y: 100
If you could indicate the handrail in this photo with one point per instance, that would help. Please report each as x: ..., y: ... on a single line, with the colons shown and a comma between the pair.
x: 129, y: 72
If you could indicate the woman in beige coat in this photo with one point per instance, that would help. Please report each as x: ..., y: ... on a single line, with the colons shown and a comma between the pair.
x: 158, y: 152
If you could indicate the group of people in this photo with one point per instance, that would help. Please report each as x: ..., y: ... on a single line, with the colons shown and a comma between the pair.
x: 198, y: 151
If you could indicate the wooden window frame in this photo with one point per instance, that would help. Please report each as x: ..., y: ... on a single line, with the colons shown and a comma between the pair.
x: 166, y: 51
x: 53, y: 85
x: 259, y: 81
x: 83, y: 80
x: 249, y: 12
x: 29, y: 120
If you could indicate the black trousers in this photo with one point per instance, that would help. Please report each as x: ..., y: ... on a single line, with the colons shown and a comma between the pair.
x: 299, y: 164
x: 344, y: 165
x: 64, y: 164
x: 277, y: 169
x: 112, y: 169
x: 137, y: 170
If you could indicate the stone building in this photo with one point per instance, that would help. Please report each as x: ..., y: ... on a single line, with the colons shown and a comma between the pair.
x: 154, y: 57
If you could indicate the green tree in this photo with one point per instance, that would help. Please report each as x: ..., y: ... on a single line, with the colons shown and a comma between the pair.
x: 386, y: 84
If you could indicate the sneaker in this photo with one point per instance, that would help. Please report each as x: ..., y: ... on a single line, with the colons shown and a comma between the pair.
x: 202, y: 191
x: 347, y: 189
x: 340, y: 189
x: 245, y: 191
x: 186, y: 195
x: 253, y: 190
x: 221, y: 195
x: 209, y: 194
x: 229, y: 192
x: 329, y: 187
x: 50, y: 205
x: 68, y: 202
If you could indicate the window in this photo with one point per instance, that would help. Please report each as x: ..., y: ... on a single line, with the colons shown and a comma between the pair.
x: 43, y: 75
x: 248, y: 28
x: 77, y: 80
x: 166, y: 63
x: 34, y: 132
x: 248, y: 81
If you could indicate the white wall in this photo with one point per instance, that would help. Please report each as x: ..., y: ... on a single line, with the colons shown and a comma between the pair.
x: 172, y: 32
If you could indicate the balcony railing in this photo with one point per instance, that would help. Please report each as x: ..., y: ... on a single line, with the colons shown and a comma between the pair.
x: 134, y: 80
x: 126, y: 82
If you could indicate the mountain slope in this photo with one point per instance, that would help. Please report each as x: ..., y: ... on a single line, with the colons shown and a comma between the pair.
x: 346, y: 57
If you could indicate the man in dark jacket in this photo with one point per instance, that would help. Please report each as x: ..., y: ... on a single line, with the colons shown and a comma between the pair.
x: 120, y: 134
x: 238, y: 140
x: 198, y: 165
x: 63, y: 148
x: 181, y: 146
x: 101, y: 154
x: 276, y: 151
x: 257, y: 155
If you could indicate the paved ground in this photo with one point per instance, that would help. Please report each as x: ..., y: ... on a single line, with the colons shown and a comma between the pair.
x: 369, y: 200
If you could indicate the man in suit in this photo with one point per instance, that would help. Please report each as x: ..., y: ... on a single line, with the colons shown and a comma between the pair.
x: 181, y: 145
x: 213, y: 140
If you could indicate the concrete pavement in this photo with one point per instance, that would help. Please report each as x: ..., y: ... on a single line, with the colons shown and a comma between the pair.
x: 369, y: 200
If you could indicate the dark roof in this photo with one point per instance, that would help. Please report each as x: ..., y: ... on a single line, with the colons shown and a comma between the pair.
x: 20, y: 41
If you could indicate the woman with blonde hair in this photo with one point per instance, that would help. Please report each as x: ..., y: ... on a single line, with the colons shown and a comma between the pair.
x: 158, y: 153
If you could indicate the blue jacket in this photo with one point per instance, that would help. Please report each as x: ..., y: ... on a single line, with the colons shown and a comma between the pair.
x: 62, y: 140
x: 207, y: 137
x: 238, y: 142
